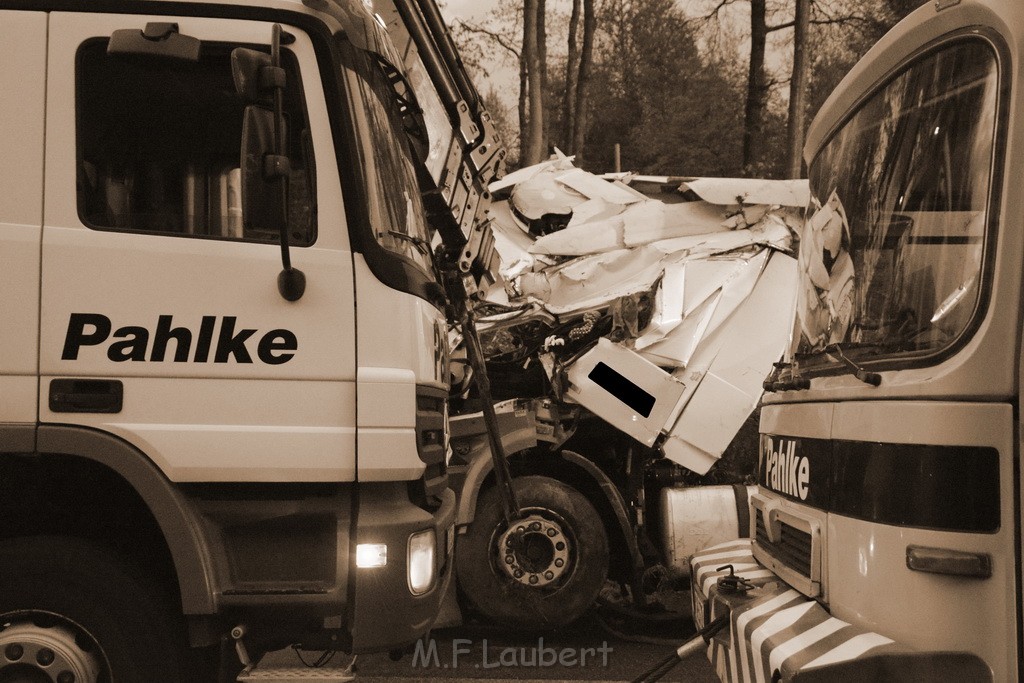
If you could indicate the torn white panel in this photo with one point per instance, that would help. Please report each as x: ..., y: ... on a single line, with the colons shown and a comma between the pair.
x: 543, y: 194
x: 738, y: 286
x: 719, y: 409
x: 701, y: 280
x: 746, y: 216
x: 625, y: 390
x: 726, y: 283
x: 727, y: 191
x: 593, y: 281
x: 497, y: 294
x: 594, y: 237
x: 628, y: 177
x: 678, y: 347
x: 743, y: 350
x: 510, y: 241
x: 589, y: 185
x: 612, y: 228
x: 592, y: 210
x: 704, y: 277
x: 668, y: 306
x: 524, y: 174
x: 770, y: 231
x: 643, y: 223
x: 693, y: 218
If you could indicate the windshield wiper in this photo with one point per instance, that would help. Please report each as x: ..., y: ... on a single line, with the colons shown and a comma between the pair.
x: 421, y: 244
x: 835, y: 352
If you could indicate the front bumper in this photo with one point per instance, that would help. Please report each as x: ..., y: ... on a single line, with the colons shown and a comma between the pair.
x: 386, y: 614
x: 776, y: 633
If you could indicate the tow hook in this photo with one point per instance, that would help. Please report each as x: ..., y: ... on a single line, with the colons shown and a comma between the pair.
x: 732, y: 584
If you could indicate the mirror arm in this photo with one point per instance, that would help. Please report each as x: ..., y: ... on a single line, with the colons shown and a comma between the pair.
x: 291, y: 282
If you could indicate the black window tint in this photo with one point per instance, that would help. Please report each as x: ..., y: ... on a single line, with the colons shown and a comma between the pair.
x: 159, y: 145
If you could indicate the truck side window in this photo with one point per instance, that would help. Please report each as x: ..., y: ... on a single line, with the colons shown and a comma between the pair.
x: 159, y: 145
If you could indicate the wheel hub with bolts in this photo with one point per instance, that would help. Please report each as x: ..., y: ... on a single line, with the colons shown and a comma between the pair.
x: 31, y: 652
x: 534, y: 551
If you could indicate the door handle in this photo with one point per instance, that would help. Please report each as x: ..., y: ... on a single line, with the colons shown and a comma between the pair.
x: 86, y: 395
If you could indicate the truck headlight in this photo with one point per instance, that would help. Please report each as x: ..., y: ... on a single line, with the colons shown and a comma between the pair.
x: 421, y: 561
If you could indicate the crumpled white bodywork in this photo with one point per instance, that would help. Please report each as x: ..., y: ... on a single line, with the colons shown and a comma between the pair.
x: 723, y: 282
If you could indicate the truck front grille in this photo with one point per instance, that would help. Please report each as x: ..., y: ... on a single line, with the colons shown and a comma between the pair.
x: 793, y: 548
x: 432, y: 446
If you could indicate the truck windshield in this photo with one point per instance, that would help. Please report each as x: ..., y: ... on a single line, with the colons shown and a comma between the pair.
x: 396, y: 212
x: 891, y: 257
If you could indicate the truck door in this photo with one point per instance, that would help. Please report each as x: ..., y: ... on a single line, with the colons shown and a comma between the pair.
x: 161, y: 319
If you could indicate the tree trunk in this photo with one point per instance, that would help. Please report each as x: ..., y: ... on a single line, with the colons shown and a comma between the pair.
x: 757, y: 90
x: 798, y: 91
x: 524, y: 94
x: 533, y: 150
x: 569, y: 94
x: 583, y: 82
x: 542, y: 65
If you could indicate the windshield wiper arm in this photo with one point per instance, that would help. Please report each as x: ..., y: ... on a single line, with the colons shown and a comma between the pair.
x: 421, y: 244
x: 793, y: 382
x: 835, y: 351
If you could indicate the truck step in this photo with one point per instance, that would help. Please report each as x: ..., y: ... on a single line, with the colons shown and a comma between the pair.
x: 283, y: 674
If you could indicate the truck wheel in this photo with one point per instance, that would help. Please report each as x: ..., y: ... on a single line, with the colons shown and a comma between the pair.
x: 543, y: 571
x: 70, y: 611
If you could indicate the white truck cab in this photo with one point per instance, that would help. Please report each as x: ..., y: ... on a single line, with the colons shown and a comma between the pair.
x: 239, y: 452
x: 886, y: 529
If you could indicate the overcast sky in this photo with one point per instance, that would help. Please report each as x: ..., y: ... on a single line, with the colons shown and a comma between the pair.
x: 467, y: 9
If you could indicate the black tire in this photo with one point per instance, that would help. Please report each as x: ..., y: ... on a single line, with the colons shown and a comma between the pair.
x: 499, y: 597
x: 129, y: 630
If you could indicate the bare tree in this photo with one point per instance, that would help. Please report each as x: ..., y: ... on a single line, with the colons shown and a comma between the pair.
x: 571, y: 71
x: 532, y: 143
x: 542, y: 64
x: 798, y: 90
x: 864, y: 16
x: 757, y: 83
x: 579, y: 132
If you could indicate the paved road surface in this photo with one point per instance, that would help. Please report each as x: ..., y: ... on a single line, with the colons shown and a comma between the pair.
x: 584, y: 652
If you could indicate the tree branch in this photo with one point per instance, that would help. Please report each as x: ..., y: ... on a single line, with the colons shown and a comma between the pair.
x: 712, y: 15
x: 827, y: 20
x: 501, y: 40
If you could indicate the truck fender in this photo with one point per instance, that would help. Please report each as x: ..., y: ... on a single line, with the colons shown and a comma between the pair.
x: 615, y: 500
x: 481, y: 466
x: 179, y: 525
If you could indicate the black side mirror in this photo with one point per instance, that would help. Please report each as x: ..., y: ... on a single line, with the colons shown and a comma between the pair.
x: 246, y: 67
x: 260, y: 80
x: 263, y: 205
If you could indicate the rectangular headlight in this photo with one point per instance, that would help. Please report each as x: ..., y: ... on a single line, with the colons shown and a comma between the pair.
x: 421, y: 561
x: 371, y: 555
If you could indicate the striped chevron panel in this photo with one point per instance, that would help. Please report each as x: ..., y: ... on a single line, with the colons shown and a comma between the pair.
x: 781, y: 633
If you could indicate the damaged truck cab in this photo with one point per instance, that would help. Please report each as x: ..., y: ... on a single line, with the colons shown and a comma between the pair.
x: 886, y: 529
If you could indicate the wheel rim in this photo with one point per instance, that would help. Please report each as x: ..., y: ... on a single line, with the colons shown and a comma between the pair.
x: 41, y: 646
x: 535, y: 550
